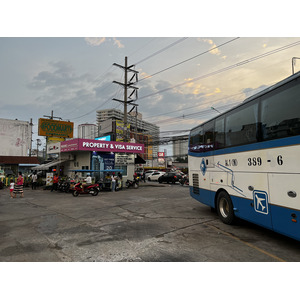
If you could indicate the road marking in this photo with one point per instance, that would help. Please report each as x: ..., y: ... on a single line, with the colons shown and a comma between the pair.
x: 246, y: 243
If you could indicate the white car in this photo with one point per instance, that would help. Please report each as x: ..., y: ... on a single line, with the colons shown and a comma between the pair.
x: 149, y: 172
x: 155, y: 175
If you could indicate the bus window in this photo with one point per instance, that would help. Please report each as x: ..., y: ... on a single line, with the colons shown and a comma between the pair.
x: 208, y: 129
x: 196, y: 140
x: 241, y: 125
x: 219, y: 133
x: 280, y: 114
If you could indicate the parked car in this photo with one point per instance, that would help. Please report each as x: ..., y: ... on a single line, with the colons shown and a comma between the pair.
x: 169, y: 177
x: 149, y: 172
x: 155, y: 175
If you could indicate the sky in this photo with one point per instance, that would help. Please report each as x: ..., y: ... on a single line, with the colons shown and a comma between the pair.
x: 181, y: 77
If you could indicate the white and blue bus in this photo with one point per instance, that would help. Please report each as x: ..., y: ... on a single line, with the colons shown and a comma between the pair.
x: 245, y: 162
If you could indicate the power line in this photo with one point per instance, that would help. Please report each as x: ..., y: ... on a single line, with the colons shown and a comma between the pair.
x: 186, y: 60
x: 224, y: 69
x: 142, y: 47
x: 162, y: 50
x: 203, y: 103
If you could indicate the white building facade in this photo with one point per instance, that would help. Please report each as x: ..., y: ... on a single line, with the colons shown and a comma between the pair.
x: 87, y: 131
x: 15, y: 137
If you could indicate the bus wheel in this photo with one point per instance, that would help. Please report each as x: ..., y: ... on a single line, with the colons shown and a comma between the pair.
x: 225, y: 208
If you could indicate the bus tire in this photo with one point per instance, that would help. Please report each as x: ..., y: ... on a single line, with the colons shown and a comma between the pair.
x: 225, y: 208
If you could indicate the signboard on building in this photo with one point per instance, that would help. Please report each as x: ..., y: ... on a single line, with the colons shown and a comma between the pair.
x: 109, y: 161
x: 103, y: 138
x: 124, y: 159
x: 161, y: 158
x: 15, y: 137
x: 53, y: 148
x: 50, y: 127
x: 100, y: 146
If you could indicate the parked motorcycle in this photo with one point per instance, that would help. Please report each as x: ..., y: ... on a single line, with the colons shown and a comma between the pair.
x: 92, y: 189
x: 63, y: 186
x: 184, y: 180
x: 132, y: 183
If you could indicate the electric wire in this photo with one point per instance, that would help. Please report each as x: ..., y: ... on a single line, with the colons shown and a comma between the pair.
x: 249, y: 60
x: 186, y: 60
x: 162, y: 50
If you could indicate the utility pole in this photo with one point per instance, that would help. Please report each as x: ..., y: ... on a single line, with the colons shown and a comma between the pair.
x: 51, y: 118
x: 30, y: 148
x: 127, y: 85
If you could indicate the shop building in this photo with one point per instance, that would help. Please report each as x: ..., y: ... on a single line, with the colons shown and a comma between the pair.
x: 77, y: 157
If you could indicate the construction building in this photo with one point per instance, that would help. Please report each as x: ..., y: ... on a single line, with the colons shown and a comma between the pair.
x: 110, y: 123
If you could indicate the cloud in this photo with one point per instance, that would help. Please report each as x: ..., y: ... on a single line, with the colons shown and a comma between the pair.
x: 252, y: 91
x: 214, y: 50
x: 97, y: 41
x: 216, y: 91
x: 60, y: 74
x: 118, y: 43
x: 71, y: 94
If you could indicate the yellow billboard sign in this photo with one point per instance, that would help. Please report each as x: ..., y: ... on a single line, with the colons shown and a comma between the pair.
x: 120, y: 130
x: 49, y: 127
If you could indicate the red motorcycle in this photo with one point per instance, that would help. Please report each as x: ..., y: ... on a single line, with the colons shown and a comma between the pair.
x: 92, y: 189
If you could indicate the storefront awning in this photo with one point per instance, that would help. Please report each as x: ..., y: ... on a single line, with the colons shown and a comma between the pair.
x: 49, y: 164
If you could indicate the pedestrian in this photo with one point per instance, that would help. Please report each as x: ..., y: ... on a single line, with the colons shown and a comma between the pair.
x: 34, y: 181
x: 120, y: 175
x: 88, y: 181
x: 11, y: 188
x: 113, y: 182
x: 18, y: 188
x: 55, y: 182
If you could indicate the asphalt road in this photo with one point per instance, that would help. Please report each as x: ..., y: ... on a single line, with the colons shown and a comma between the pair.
x: 155, y: 223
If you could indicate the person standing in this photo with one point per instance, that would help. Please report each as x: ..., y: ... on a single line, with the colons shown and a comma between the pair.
x: 11, y: 188
x: 55, y: 182
x: 18, y: 188
x: 34, y: 181
x: 113, y: 182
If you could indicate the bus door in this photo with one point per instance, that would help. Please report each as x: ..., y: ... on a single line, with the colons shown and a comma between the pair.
x: 285, y: 201
x: 207, y: 162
